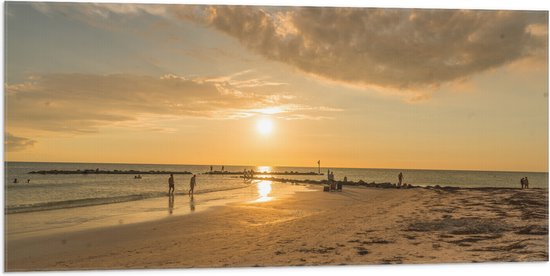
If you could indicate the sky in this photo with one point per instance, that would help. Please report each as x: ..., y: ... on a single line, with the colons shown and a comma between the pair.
x: 276, y: 86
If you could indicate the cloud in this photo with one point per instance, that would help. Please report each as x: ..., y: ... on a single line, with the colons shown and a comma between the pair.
x: 15, y: 143
x: 82, y: 103
x: 404, y: 49
x: 103, y: 10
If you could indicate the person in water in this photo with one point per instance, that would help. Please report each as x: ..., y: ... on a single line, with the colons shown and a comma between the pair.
x: 171, y: 184
x: 192, y: 183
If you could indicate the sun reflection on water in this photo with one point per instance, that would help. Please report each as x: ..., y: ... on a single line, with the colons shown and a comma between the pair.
x: 261, y: 169
x: 264, y: 188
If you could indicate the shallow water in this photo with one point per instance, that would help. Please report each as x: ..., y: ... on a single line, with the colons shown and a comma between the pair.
x: 28, y: 224
x: 47, y: 192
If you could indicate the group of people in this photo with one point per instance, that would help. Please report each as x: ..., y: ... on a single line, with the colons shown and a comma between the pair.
x: 524, y: 183
x: 248, y: 174
x: 171, y: 185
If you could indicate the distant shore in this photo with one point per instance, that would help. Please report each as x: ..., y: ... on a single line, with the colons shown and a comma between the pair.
x: 360, y: 225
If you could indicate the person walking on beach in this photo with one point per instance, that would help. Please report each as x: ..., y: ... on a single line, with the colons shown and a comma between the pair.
x: 192, y: 183
x: 171, y: 185
x: 400, y: 177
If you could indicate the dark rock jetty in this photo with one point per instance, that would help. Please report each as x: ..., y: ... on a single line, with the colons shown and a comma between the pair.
x: 98, y: 171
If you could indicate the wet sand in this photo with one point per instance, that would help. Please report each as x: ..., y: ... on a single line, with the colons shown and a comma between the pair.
x: 360, y: 225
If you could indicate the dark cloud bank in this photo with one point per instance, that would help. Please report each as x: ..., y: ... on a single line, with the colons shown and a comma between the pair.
x: 394, y: 48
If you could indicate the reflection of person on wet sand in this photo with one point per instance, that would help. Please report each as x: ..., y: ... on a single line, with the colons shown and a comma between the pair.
x: 192, y: 204
x: 171, y: 204
x: 192, y: 183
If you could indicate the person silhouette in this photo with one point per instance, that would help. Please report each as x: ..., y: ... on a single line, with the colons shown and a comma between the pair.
x: 171, y: 184
x: 522, y: 181
x: 526, y: 183
x: 192, y: 183
x: 400, y: 178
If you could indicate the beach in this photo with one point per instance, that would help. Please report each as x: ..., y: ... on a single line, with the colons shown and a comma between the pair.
x: 360, y: 225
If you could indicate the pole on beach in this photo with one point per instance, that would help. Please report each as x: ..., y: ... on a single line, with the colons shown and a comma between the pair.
x: 319, y: 166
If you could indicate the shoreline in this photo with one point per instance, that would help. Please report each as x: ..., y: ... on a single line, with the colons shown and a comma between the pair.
x: 360, y: 225
x: 106, y: 201
x: 383, y: 185
x: 76, y: 218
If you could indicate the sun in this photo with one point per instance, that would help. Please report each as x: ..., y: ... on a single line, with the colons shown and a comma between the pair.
x: 265, y: 126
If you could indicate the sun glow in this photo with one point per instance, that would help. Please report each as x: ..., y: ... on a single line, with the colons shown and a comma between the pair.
x: 265, y: 126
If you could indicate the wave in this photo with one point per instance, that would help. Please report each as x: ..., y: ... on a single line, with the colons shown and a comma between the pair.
x: 84, y: 202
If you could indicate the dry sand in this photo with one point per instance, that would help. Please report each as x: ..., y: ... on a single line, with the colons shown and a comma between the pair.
x: 357, y: 226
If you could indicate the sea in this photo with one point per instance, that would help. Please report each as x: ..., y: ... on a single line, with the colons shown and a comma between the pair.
x: 40, y: 192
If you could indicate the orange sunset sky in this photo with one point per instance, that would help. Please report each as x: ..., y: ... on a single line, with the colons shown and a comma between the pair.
x: 253, y: 85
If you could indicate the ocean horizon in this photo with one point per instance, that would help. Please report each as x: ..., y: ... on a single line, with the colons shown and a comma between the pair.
x: 272, y: 166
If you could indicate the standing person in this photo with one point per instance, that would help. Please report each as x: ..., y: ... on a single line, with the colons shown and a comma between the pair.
x: 400, y: 177
x: 192, y: 183
x: 223, y: 168
x: 526, y: 183
x: 522, y: 181
x: 171, y: 185
x: 210, y: 168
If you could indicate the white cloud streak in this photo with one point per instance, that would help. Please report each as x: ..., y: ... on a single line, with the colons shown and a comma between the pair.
x: 80, y: 103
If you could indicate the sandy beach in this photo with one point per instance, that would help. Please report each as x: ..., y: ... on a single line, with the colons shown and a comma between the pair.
x: 360, y: 225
